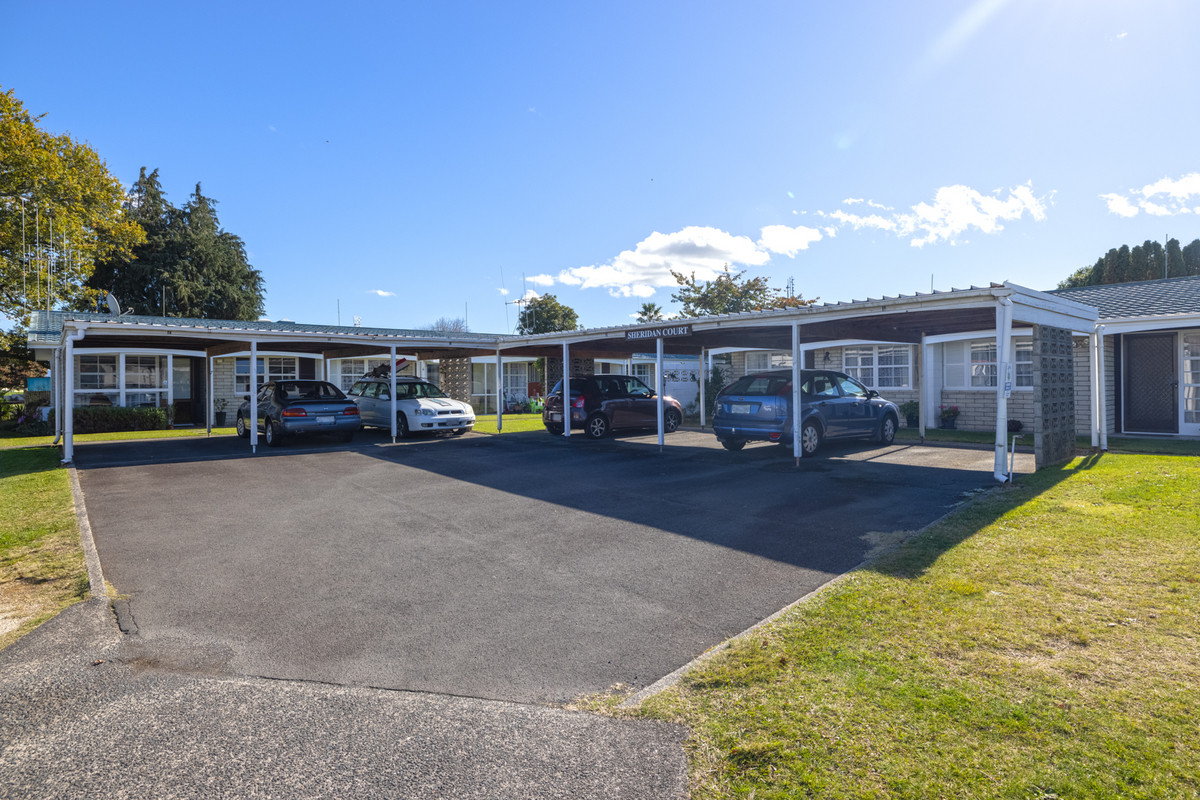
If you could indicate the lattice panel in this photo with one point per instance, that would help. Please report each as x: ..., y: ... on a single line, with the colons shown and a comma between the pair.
x: 1053, y: 395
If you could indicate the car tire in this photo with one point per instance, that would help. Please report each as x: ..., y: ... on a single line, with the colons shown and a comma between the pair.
x: 733, y: 445
x: 459, y: 431
x: 887, y: 430
x: 671, y: 420
x: 242, y: 431
x: 597, y: 426
x: 810, y: 438
x: 554, y: 430
x: 401, y: 425
x: 272, y: 434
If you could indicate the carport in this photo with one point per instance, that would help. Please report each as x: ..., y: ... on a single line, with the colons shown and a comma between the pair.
x: 907, y: 319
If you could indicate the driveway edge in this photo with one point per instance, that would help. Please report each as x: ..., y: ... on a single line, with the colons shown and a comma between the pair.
x: 90, y: 557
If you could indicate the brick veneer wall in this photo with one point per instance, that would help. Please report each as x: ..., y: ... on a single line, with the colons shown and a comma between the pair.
x: 1053, y: 395
x: 1083, y: 385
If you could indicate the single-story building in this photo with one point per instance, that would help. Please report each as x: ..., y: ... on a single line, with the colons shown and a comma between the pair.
x: 997, y: 353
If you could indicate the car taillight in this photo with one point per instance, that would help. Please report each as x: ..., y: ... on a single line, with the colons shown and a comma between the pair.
x: 578, y: 403
x: 294, y: 412
x: 351, y: 411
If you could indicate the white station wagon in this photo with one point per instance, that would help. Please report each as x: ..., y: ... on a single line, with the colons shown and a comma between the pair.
x: 421, y: 407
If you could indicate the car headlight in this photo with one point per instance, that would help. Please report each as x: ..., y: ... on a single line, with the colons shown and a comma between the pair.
x: 426, y: 412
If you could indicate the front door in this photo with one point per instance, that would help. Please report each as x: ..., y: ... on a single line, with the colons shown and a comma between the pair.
x: 1151, y: 389
x: 1191, y: 384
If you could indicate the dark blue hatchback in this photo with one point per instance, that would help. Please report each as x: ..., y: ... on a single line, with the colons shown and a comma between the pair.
x: 833, y: 406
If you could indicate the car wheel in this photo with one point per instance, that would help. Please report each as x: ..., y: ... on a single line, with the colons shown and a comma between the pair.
x: 732, y: 444
x: 554, y: 430
x: 273, y: 435
x: 596, y: 426
x: 671, y: 421
x: 459, y: 431
x: 401, y: 425
x: 242, y: 430
x: 887, y: 430
x: 810, y: 438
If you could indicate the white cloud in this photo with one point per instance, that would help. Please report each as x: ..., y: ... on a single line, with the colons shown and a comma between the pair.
x: 530, y: 294
x: 382, y: 293
x: 541, y: 280
x: 503, y: 292
x: 639, y: 272
x: 786, y: 240
x: 1163, y: 198
x: 957, y: 209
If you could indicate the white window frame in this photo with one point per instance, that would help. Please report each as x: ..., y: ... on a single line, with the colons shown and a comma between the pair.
x: 868, y: 374
x: 970, y: 364
x: 270, y: 368
x: 766, y: 360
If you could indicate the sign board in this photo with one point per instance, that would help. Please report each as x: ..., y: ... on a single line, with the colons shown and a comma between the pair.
x: 667, y: 332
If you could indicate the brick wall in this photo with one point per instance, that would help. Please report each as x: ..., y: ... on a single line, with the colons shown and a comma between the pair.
x: 1083, y: 385
x: 977, y: 408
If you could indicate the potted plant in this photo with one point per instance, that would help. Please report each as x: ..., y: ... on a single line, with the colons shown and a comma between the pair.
x: 949, y: 415
x: 912, y: 413
x: 219, y: 415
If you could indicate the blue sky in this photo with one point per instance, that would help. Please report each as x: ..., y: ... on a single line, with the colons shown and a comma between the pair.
x: 411, y: 161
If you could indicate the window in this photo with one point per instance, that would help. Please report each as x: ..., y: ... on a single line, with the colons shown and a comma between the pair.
x: 270, y: 368
x: 645, y: 373
x: 351, y: 369
x: 885, y: 366
x: 142, y: 372
x: 97, y: 372
x: 973, y: 363
x: 763, y: 361
x: 516, y: 381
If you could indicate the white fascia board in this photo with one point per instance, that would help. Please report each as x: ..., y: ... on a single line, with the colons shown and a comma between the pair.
x: 1173, y: 322
x: 503, y: 359
x: 138, y: 351
x: 988, y: 333
x: 261, y: 354
x: 266, y: 336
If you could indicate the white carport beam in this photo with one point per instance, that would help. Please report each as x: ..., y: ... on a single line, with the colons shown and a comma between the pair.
x: 1097, y: 385
x: 210, y: 395
x: 1003, y: 359
x: 1102, y: 395
x: 703, y: 381
x: 925, y: 387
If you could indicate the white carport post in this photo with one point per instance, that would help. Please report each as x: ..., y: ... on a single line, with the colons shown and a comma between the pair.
x: 392, y: 372
x: 210, y: 395
x: 68, y: 400
x: 253, y: 396
x: 499, y: 391
x: 703, y: 380
x: 1003, y: 365
x: 797, y: 366
x: 658, y: 388
x: 926, y: 387
x: 1097, y: 384
x: 566, y: 390
x: 1102, y: 398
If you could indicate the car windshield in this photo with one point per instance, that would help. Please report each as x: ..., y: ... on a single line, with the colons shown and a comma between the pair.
x: 412, y: 390
x: 305, y: 390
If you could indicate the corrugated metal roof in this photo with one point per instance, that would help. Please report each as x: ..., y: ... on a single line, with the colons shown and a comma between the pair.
x: 1141, y: 299
x: 46, y: 328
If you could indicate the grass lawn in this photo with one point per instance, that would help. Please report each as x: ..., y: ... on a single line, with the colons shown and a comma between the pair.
x: 41, y: 562
x: 513, y: 423
x: 10, y: 439
x: 1044, y: 642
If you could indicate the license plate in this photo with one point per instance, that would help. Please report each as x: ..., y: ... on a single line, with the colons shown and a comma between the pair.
x: 555, y: 417
x: 741, y: 408
x: 325, y: 420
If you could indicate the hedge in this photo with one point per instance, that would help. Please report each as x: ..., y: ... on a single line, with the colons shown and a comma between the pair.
x: 106, y: 419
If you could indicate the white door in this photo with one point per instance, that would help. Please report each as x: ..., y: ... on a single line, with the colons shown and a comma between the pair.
x: 1191, y: 384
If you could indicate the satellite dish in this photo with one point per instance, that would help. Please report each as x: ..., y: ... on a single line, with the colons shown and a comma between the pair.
x: 114, y: 307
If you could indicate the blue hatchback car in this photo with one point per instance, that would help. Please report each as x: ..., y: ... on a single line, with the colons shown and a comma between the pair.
x: 833, y: 406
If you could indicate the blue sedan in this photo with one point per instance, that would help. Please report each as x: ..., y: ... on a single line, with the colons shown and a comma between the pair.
x: 832, y: 406
x: 288, y: 408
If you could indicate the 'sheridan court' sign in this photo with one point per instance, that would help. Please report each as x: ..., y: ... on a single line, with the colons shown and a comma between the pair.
x: 659, y: 333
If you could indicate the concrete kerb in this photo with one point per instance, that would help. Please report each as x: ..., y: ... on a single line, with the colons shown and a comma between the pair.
x: 667, y: 681
x: 90, y: 557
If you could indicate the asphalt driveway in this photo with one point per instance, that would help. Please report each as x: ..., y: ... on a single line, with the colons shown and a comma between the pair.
x: 520, y: 568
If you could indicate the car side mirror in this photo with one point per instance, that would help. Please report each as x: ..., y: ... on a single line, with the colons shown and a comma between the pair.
x: 872, y: 393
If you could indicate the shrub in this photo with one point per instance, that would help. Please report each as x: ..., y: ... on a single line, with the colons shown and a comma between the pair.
x: 106, y: 419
